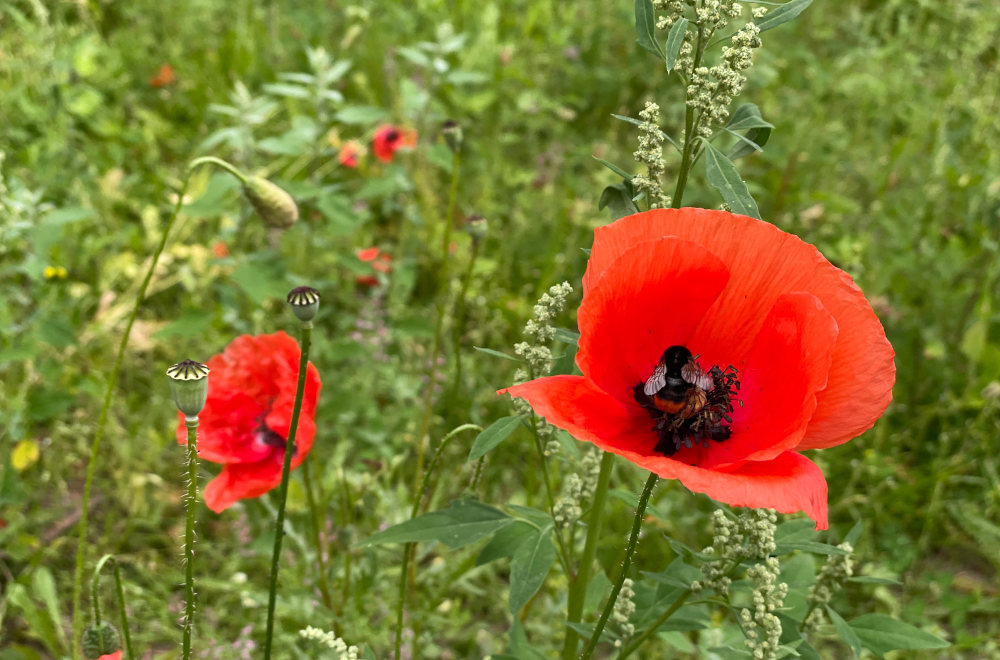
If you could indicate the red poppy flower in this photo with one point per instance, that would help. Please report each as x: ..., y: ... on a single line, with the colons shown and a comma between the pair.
x: 164, y: 77
x: 789, y: 356
x: 389, y: 138
x: 381, y: 263
x: 248, y: 413
x: 117, y: 655
x: 220, y: 250
x: 349, y: 154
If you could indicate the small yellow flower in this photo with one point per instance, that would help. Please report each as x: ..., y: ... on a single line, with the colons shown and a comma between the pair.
x: 55, y: 273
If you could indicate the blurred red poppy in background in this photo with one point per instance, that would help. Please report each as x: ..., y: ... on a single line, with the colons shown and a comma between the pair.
x: 790, y: 353
x: 381, y: 262
x: 164, y: 77
x: 117, y: 655
x: 248, y: 414
x: 349, y: 154
x: 389, y: 138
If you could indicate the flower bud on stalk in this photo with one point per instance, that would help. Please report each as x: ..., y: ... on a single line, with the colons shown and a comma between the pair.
x: 272, y: 202
x: 305, y: 303
x: 452, y: 134
x: 477, y: 227
x: 100, y: 639
x: 189, y: 386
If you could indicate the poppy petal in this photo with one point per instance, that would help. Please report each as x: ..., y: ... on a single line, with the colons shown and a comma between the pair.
x: 781, y: 375
x: 239, y: 481
x: 764, y: 263
x: 648, y: 299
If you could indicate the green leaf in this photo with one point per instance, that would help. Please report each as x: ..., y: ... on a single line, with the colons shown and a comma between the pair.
x: 260, y: 280
x: 618, y: 200
x: 466, y: 521
x: 530, y: 566
x: 674, y: 40
x: 747, y: 116
x: 871, y: 579
x: 639, y: 122
x: 494, y: 434
x: 814, y: 547
x: 855, y: 533
x: 751, y: 141
x: 799, y: 529
x: 361, y: 114
x: 519, y: 648
x: 490, y: 351
x: 782, y: 14
x: 722, y: 175
x: 845, y: 631
x: 505, y: 542
x: 880, y: 634
x: 645, y: 27
x: 567, y: 336
x: 614, y: 168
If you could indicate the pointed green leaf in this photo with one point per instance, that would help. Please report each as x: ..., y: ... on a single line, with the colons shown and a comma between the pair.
x: 753, y: 140
x: 614, y: 168
x: 466, y: 521
x: 782, y: 14
x: 880, y: 634
x: 871, y: 579
x: 567, y: 336
x: 674, y: 40
x: 845, y: 631
x: 490, y: 351
x: 722, y: 175
x: 505, y: 542
x: 814, y: 547
x: 747, y: 116
x: 519, y: 647
x: 645, y: 27
x: 494, y: 434
x: 530, y: 566
x: 618, y: 201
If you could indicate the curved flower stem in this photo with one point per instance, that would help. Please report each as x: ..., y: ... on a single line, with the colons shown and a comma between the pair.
x: 190, y: 502
x: 124, y: 614
x: 634, y: 645
x: 95, y: 583
x: 286, y: 469
x: 212, y: 160
x: 408, y: 548
x: 425, y: 421
x: 109, y: 388
x: 689, y: 139
x: 626, y: 564
x: 579, y: 583
x: 324, y: 584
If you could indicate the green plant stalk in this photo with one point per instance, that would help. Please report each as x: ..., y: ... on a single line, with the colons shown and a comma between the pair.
x: 550, y: 495
x: 95, y: 447
x: 190, y: 503
x: 689, y: 139
x: 124, y: 614
x: 95, y: 584
x: 626, y: 564
x: 459, y: 316
x: 286, y: 469
x: 414, y: 509
x: 579, y: 582
x: 324, y: 584
x: 218, y: 162
x: 425, y: 421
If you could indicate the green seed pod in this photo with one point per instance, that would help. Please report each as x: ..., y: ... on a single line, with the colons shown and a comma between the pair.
x: 100, y: 640
x: 477, y: 227
x: 452, y: 134
x: 189, y: 386
x: 305, y: 303
x: 274, y: 205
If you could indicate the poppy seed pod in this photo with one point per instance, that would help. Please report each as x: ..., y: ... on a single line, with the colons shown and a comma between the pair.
x: 100, y: 639
x: 305, y: 303
x: 452, y: 134
x: 189, y: 386
x: 272, y: 202
x: 476, y: 227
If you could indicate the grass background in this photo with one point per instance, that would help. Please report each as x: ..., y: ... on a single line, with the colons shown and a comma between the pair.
x: 884, y: 156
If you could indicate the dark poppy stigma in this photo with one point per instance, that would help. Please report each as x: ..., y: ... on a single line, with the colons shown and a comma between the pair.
x: 689, y: 406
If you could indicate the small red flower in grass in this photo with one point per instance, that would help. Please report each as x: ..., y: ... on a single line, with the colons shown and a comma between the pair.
x: 381, y: 262
x: 248, y: 414
x: 117, y: 655
x: 714, y: 348
x: 164, y: 77
x: 388, y: 138
x: 349, y: 154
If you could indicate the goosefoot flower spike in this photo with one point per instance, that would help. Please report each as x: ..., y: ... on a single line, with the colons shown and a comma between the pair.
x: 247, y: 416
x: 714, y: 348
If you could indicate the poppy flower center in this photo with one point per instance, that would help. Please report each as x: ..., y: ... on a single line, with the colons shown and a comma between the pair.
x: 267, y: 436
x: 689, y: 406
x: 392, y: 136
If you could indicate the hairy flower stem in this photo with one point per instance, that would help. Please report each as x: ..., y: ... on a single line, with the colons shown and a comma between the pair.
x: 640, y: 511
x: 121, y: 607
x: 317, y: 520
x: 653, y: 627
x: 109, y: 388
x: 689, y: 125
x: 95, y: 599
x: 286, y: 469
x: 190, y: 502
x: 414, y: 509
x: 428, y: 407
x: 459, y: 317
x: 579, y: 582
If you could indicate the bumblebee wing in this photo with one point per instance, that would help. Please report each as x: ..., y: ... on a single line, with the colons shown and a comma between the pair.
x: 656, y: 382
x: 693, y: 375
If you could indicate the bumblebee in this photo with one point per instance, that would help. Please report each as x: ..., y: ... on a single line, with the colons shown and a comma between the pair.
x: 678, y: 386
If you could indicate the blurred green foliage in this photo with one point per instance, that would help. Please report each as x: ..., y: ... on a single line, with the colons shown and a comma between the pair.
x: 884, y: 156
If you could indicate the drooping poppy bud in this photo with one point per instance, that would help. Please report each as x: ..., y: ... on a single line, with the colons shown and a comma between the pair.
x: 189, y: 386
x: 305, y: 303
x: 100, y: 639
x: 273, y: 203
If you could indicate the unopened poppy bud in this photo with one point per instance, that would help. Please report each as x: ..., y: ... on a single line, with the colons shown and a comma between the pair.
x: 452, y: 134
x: 272, y: 202
x: 189, y: 386
x: 305, y: 303
x: 99, y: 640
x: 477, y: 227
